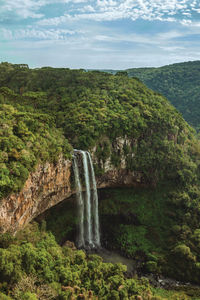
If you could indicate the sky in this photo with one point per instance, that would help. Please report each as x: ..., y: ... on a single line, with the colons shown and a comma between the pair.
x: 99, y: 34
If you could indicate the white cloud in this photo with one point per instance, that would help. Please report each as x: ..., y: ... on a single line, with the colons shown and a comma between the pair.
x: 191, y: 24
x: 59, y: 34
x: 59, y: 39
x: 29, y: 8
x: 74, y: 1
x: 24, y: 9
x: 196, y: 9
x: 87, y: 8
x: 186, y: 22
x: 102, y: 9
x: 108, y: 10
x: 170, y: 35
x: 67, y: 54
x: 172, y: 48
x: 105, y: 3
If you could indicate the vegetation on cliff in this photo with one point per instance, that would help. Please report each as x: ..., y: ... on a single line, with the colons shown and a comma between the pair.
x: 180, y: 83
x: 25, y: 140
x: 44, y: 111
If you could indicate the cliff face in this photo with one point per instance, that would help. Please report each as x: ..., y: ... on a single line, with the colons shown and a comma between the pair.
x: 116, y: 176
x: 45, y: 187
x: 51, y: 184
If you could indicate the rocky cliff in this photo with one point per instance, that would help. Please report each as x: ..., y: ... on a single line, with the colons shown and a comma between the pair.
x: 50, y: 184
x: 116, y: 175
x: 45, y: 187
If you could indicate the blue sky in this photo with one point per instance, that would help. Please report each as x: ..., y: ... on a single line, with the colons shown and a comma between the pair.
x: 99, y: 33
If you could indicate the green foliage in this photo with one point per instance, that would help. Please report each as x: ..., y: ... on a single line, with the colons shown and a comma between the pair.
x: 96, y: 109
x: 171, y: 295
x: 4, y: 297
x: 6, y: 239
x: 29, y: 296
x: 132, y: 239
x: 25, y: 140
x: 151, y: 266
x: 183, y: 250
x: 61, y: 220
x: 180, y: 83
x: 126, y: 124
x: 36, y: 267
x: 149, y: 225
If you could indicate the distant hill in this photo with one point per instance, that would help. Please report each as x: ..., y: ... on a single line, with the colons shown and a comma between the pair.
x: 180, y: 83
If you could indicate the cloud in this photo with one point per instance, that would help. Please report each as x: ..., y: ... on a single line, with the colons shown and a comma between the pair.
x: 109, y: 10
x: 191, y: 24
x: 171, y: 35
x: 93, y: 55
x: 44, y: 30
x: 87, y: 8
x: 23, y: 34
x: 101, y: 10
x: 23, y: 9
x: 105, y: 3
x: 172, y: 48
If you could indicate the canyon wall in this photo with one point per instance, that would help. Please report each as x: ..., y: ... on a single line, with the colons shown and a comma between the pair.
x: 46, y: 186
x: 51, y: 183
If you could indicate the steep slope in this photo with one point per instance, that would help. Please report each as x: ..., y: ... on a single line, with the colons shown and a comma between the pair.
x: 136, y: 138
x: 180, y: 83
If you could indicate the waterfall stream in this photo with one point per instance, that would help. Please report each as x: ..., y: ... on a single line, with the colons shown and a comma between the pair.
x: 79, y: 197
x: 95, y: 204
x: 88, y: 217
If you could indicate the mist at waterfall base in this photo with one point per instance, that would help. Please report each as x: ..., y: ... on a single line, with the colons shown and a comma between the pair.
x: 88, y: 235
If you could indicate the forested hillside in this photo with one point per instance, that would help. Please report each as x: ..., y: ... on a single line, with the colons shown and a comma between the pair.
x: 86, y: 106
x: 45, y: 112
x: 179, y: 83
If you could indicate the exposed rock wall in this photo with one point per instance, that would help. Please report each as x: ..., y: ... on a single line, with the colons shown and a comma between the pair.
x: 117, y: 176
x: 51, y: 184
x: 45, y: 187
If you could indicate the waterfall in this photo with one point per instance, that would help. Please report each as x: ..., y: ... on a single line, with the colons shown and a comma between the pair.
x: 88, y: 226
x: 95, y: 204
x: 88, y: 233
x: 79, y: 197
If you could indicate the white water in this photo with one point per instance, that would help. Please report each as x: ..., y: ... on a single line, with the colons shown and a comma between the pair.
x: 88, y: 227
x: 88, y: 235
x: 79, y: 196
x: 95, y: 204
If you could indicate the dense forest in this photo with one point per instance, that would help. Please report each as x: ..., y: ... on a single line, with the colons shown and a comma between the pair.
x: 180, y: 83
x: 46, y: 112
